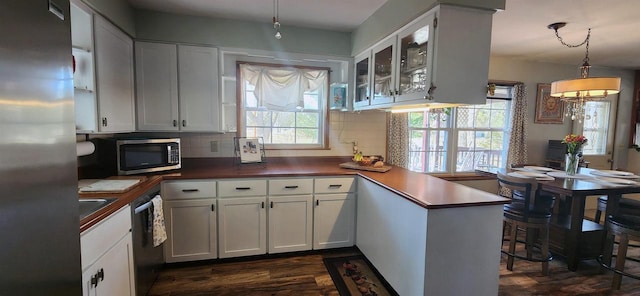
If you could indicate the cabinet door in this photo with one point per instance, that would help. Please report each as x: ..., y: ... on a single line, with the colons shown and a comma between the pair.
x: 334, y: 221
x: 242, y: 226
x: 114, y: 75
x: 199, y: 97
x: 459, y: 73
x: 290, y: 223
x: 383, y: 58
x: 112, y: 273
x: 157, y: 86
x: 362, y: 96
x: 413, y: 78
x: 191, y: 230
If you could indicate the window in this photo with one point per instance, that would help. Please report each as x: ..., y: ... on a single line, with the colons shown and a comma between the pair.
x: 286, y: 106
x: 461, y: 139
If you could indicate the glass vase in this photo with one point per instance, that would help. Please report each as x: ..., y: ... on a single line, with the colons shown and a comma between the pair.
x: 571, y: 164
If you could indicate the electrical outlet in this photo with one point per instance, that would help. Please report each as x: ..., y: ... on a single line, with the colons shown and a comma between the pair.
x: 214, y: 146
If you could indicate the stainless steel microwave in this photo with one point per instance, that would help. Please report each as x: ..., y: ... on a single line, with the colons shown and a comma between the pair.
x: 138, y: 156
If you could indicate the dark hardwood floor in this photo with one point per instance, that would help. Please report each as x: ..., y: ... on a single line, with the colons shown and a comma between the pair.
x: 305, y: 274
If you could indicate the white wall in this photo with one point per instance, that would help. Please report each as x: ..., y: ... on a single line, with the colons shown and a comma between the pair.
x: 532, y: 73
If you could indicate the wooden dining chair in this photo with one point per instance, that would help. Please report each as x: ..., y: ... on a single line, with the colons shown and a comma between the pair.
x: 523, y: 214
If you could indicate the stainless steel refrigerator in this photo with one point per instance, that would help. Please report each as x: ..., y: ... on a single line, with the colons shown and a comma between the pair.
x: 39, y: 224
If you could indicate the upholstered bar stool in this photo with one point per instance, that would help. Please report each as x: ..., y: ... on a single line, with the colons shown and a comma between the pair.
x: 626, y: 206
x: 522, y: 214
x: 625, y: 227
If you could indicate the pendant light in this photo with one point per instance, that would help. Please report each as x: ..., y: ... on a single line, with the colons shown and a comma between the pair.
x: 276, y: 23
x: 576, y: 92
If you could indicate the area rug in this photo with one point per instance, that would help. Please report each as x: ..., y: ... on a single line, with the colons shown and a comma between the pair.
x: 355, y: 276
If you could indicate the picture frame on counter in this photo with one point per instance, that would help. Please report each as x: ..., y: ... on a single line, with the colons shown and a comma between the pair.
x: 549, y: 110
x: 249, y: 150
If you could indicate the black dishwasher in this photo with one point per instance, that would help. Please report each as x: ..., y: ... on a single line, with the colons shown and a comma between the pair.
x: 148, y: 260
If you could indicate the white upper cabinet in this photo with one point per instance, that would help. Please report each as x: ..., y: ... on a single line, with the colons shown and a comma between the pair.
x: 114, y: 77
x: 198, y: 83
x: 103, y: 73
x: 362, y: 97
x: 157, y: 86
x: 177, y: 88
x: 440, y: 57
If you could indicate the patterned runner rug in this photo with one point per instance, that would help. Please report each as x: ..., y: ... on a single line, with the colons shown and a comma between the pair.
x: 355, y: 276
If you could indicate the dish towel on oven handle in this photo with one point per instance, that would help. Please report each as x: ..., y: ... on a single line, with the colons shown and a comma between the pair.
x: 159, y: 231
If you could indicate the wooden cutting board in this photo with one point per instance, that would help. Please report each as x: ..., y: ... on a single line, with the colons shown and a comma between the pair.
x: 109, y: 185
x: 356, y: 166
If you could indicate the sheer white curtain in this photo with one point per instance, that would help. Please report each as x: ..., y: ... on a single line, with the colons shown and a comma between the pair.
x: 517, y: 153
x: 282, y: 89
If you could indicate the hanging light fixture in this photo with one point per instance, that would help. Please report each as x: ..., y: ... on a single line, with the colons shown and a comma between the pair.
x: 276, y: 23
x: 576, y: 92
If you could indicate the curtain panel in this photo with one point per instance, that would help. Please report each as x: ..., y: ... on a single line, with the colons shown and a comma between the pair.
x: 517, y: 154
x: 282, y: 89
x: 398, y: 139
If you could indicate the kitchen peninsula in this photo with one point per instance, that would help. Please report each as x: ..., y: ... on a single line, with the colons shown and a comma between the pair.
x: 425, y: 235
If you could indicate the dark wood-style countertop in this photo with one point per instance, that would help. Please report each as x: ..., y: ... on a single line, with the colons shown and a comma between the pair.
x: 424, y: 190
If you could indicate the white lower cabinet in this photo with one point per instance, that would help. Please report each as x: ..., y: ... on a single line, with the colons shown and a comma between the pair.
x: 334, y: 215
x: 242, y: 226
x: 290, y: 223
x: 190, y: 217
x: 334, y: 221
x: 191, y: 230
x: 107, y: 256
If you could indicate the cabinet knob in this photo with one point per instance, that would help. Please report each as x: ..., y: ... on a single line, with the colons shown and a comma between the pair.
x: 100, y: 275
x: 175, y: 122
x: 262, y: 204
x: 104, y: 121
x: 271, y: 205
x: 317, y: 202
x: 213, y: 208
x: 184, y: 122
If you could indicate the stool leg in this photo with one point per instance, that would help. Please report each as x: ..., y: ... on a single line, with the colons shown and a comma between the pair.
x: 512, y: 244
x: 622, y: 255
x: 598, y: 216
x: 545, y: 249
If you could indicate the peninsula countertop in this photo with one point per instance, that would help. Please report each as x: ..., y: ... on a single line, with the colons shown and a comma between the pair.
x: 424, y: 190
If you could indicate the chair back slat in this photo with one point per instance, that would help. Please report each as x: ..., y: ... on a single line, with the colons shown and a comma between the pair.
x: 520, y: 189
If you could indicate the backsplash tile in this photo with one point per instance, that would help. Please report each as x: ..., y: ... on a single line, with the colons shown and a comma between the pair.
x: 367, y: 128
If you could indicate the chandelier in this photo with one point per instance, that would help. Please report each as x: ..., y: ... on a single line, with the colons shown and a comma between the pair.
x: 576, y: 92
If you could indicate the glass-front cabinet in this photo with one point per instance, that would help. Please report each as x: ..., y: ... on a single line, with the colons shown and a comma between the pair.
x: 413, y: 76
x: 362, y: 89
x: 384, y: 86
x: 436, y: 58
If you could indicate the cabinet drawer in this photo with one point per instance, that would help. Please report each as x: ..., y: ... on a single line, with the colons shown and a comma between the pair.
x: 333, y: 185
x: 98, y: 239
x: 188, y: 189
x: 290, y: 186
x: 237, y: 188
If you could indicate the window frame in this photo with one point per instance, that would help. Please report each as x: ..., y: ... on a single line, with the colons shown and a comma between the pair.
x: 453, y: 132
x: 323, y: 127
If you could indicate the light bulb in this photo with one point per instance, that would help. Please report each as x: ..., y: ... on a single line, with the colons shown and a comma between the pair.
x: 278, y: 35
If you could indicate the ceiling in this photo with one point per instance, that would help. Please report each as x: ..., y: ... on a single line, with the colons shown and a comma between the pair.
x: 520, y: 31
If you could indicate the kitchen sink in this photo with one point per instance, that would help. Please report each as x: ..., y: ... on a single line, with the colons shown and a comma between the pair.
x: 89, y: 206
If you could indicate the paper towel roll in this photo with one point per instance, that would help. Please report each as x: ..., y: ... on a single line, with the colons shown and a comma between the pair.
x: 85, y: 148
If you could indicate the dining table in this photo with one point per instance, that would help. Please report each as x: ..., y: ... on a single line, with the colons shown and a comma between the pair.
x: 578, y: 238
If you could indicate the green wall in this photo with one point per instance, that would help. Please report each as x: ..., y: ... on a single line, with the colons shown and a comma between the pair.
x: 396, y: 13
x: 158, y: 26
x: 117, y: 11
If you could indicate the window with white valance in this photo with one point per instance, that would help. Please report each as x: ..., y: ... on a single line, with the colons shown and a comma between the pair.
x: 285, y: 105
